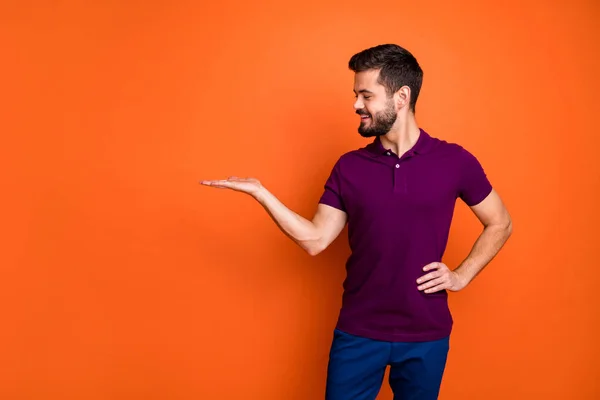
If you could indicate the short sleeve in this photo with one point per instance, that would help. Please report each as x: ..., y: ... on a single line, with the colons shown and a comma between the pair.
x: 474, y: 185
x: 332, y: 196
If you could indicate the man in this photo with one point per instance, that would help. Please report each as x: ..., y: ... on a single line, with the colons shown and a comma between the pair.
x: 397, y: 195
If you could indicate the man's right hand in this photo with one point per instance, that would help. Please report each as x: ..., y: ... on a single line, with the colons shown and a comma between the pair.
x: 250, y: 186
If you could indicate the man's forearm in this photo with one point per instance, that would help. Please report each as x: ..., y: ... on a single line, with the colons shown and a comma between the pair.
x: 299, y: 229
x: 486, y: 247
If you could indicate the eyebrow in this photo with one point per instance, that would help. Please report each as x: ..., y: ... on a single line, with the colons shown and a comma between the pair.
x: 363, y: 91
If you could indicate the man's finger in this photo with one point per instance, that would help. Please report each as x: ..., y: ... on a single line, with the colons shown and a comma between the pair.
x: 228, y: 184
x: 436, y: 288
x: 433, y: 265
x: 432, y: 283
x: 429, y: 276
x: 218, y: 183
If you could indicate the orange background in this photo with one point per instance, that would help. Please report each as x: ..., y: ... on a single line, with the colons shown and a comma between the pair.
x: 122, y: 278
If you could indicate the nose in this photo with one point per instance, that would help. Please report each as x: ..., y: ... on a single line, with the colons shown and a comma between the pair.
x: 358, y: 104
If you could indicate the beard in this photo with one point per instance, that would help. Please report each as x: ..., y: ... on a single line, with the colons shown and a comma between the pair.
x: 379, y: 123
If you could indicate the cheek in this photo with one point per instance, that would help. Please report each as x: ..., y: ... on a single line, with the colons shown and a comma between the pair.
x: 374, y: 109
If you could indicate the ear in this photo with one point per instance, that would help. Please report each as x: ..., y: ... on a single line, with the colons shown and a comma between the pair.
x: 402, y: 97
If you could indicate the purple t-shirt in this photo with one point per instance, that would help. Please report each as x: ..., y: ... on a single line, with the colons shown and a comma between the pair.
x: 399, y: 214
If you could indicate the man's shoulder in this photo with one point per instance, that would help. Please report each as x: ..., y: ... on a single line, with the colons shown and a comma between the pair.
x: 441, y: 146
x: 455, y: 157
x: 439, y: 143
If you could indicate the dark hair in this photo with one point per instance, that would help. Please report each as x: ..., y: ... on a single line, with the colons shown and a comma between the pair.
x: 397, y: 67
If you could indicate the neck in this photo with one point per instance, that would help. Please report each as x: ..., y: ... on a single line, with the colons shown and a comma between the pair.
x: 403, y: 135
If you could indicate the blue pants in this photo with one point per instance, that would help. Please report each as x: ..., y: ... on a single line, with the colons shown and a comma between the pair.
x: 357, y: 366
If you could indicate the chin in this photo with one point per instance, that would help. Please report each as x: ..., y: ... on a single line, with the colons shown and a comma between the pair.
x: 368, y: 133
x: 365, y: 132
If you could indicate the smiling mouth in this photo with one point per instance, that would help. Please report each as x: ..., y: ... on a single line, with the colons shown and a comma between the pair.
x: 364, y: 117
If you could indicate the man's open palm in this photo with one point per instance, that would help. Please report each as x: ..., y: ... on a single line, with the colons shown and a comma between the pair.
x: 245, y: 185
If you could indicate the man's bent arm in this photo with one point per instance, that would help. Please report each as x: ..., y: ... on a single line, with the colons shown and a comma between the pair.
x: 497, y: 229
x: 314, y: 235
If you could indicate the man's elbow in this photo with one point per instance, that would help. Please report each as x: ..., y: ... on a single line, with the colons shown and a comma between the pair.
x: 507, y: 226
x: 314, y: 248
x: 313, y: 251
x: 503, y: 227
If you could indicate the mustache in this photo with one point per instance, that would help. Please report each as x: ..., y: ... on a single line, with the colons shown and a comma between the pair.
x: 361, y: 112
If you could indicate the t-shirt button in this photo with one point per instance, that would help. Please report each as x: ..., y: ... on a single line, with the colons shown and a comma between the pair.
x: 397, y: 165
